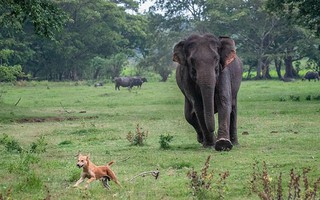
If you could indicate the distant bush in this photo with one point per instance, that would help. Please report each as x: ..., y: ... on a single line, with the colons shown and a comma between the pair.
x: 11, y: 73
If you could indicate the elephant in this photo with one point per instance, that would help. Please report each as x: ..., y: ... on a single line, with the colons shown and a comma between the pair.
x: 209, y: 75
x: 311, y: 75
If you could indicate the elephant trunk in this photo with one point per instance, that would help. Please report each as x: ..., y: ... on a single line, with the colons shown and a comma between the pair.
x: 207, y: 92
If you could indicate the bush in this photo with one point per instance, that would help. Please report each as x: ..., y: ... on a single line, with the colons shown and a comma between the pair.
x: 164, y: 141
x: 11, y: 73
x: 38, y: 146
x: 10, y: 144
x: 138, y: 138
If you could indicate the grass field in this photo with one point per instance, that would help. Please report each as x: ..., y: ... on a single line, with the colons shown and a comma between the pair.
x: 41, y: 134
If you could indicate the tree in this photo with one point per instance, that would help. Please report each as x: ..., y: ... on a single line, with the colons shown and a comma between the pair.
x: 45, y: 15
x: 304, y: 13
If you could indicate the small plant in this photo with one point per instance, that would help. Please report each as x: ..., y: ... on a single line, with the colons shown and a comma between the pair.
x: 261, y: 185
x: 138, y: 138
x: 282, y: 99
x: 294, y: 98
x: 165, y: 141
x: 202, y: 185
x: 308, y: 98
x: 39, y: 146
x: 11, y: 144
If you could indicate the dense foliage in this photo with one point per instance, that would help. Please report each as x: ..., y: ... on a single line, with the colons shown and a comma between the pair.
x: 75, y: 39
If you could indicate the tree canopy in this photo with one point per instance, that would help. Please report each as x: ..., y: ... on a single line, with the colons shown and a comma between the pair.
x: 83, y: 39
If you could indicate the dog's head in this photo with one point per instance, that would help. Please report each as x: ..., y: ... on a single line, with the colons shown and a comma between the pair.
x: 82, y: 160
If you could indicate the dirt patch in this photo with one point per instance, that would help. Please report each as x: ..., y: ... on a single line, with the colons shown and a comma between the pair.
x: 51, y: 119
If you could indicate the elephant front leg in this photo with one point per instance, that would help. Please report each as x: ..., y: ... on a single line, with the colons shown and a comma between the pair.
x: 223, y: 100
x: 233, y: 126
x: 193, y: 120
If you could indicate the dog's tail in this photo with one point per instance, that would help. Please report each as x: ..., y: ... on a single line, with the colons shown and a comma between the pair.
x: 110, y: 163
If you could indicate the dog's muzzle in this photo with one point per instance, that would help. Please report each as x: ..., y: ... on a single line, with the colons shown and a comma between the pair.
x: 79, y: 165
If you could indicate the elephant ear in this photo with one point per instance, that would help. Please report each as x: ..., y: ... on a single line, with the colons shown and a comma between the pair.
x: 178, y: 53
x: 227, y: 51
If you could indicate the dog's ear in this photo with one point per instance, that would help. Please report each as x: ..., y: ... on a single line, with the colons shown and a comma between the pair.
x: 88, y: 156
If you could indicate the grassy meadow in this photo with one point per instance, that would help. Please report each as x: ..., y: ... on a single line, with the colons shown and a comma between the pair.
x: 43, y: 125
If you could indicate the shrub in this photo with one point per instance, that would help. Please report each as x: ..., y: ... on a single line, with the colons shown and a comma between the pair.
x: 138, y: 138
x: 10, y: 144
x: 38, y: 146
x: 202, y: 185
x: 261, y: 184
x: 164, y: 141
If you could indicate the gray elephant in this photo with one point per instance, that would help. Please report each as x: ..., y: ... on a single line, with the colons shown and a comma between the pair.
x: 311, y: 75
x: 209, y: 75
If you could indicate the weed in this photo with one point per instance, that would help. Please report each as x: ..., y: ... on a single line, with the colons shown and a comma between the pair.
x: 39, y: 146
x: 308, y: 98
x: 261, y: 184
x: 165, y: 141
x: 23, y: 164
x: 282, y: 99
x: 138, y: 138
x: 201, y: 185
x: 11, y: 144
x: 294, y: 98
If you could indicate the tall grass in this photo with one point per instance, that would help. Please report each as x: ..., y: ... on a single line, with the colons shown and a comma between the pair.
x: 77, y: 116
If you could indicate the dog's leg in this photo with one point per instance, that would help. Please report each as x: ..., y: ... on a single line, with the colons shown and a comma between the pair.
x: 89, y: 181
x: 78, y: 182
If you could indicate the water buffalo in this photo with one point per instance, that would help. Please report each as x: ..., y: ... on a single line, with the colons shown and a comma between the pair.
x: 311, y: 75
x: 123, y: 82
x: 138, y: 81
x: 128, y: 82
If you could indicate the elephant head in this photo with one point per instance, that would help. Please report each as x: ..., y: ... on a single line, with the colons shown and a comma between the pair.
x: 203, y: 57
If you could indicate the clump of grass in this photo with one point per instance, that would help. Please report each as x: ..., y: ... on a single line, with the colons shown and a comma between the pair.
x: 203, y: 184
x: 138, y: 138
x: 165, y: 141
x: 282, y: 99
x: 39, y: 146
x: 294, y: 98
x: 261, y: 184
x: 7, y: 195
x: 11, y: 144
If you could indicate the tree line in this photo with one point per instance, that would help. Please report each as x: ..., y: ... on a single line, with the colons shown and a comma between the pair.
x: 84, y: 39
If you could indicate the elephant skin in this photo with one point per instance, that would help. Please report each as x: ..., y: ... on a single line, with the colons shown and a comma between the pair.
x: 311, y: 75
x: 209, y: 75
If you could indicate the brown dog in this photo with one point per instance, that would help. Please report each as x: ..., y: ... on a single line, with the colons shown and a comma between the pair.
x: 93, y: 172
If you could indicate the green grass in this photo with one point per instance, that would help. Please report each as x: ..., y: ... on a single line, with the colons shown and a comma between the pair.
x: 77, y: 117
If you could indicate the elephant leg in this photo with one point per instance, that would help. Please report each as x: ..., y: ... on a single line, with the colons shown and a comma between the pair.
x: 233, y: 125
x: 192, y: 119
x: 223, y: 101
x: 209, y: 139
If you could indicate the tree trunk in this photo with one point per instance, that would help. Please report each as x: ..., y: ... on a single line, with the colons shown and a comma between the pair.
x: 278, y: 63
x: 290, y: 72
x: 265, y: 68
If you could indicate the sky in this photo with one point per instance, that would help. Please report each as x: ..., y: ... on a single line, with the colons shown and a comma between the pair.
x: 145, y: 6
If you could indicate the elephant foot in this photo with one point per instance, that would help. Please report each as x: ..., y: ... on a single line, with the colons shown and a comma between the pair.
x: 200, y: 139
x: 223, y: 145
